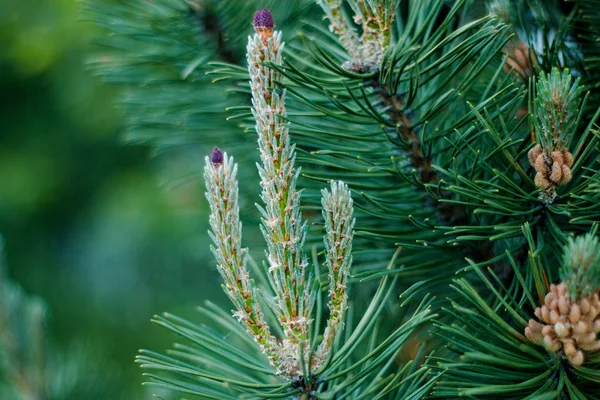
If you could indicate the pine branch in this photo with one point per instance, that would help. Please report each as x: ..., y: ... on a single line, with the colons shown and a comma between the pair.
x: 220, y: 174
x: 495, y: 355
x: 339, y: 226
x: 282, y: 225
x: 456, y: 136
x: 306, y: 374
x: 393, y: 114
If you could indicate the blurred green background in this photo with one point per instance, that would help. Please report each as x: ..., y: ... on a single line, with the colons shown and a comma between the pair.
x: 86, y: 222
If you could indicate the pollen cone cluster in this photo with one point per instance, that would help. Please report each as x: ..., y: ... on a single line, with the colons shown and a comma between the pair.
x: 570, y: 327
x: 521, y: 59
x: 551, y: 170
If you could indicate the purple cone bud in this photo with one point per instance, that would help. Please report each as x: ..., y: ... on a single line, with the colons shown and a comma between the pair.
x: 263, y: 19
x: 216, y: 156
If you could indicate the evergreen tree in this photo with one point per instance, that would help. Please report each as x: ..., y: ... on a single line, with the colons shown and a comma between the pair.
x: 453, y: 151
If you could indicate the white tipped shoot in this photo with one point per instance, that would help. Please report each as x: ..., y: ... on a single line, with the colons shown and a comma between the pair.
x: 339, y: 231
x: 220, y: 175
x: 284, y: 231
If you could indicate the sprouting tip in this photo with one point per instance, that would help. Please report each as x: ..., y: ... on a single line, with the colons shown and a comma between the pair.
x: 263, y: 20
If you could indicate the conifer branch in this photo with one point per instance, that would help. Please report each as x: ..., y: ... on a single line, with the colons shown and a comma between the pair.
x: 339, y: 225
x: 399, y: 115
x: 282, y: 224
x: 377, y: 19
x: 220, y: 175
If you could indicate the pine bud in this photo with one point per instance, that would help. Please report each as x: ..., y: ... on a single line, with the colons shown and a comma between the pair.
x: 263, y: 19
x: 216, y: 156
x: 376, y: 20
x: 263, y: 24
x: 556, y: 107
x: 557, y: 103
x: 581, y: 267
x: 339, y: 227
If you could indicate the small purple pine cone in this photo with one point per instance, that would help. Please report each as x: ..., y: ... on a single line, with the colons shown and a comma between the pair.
x: 263, y: 20
x: 216, y: 156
